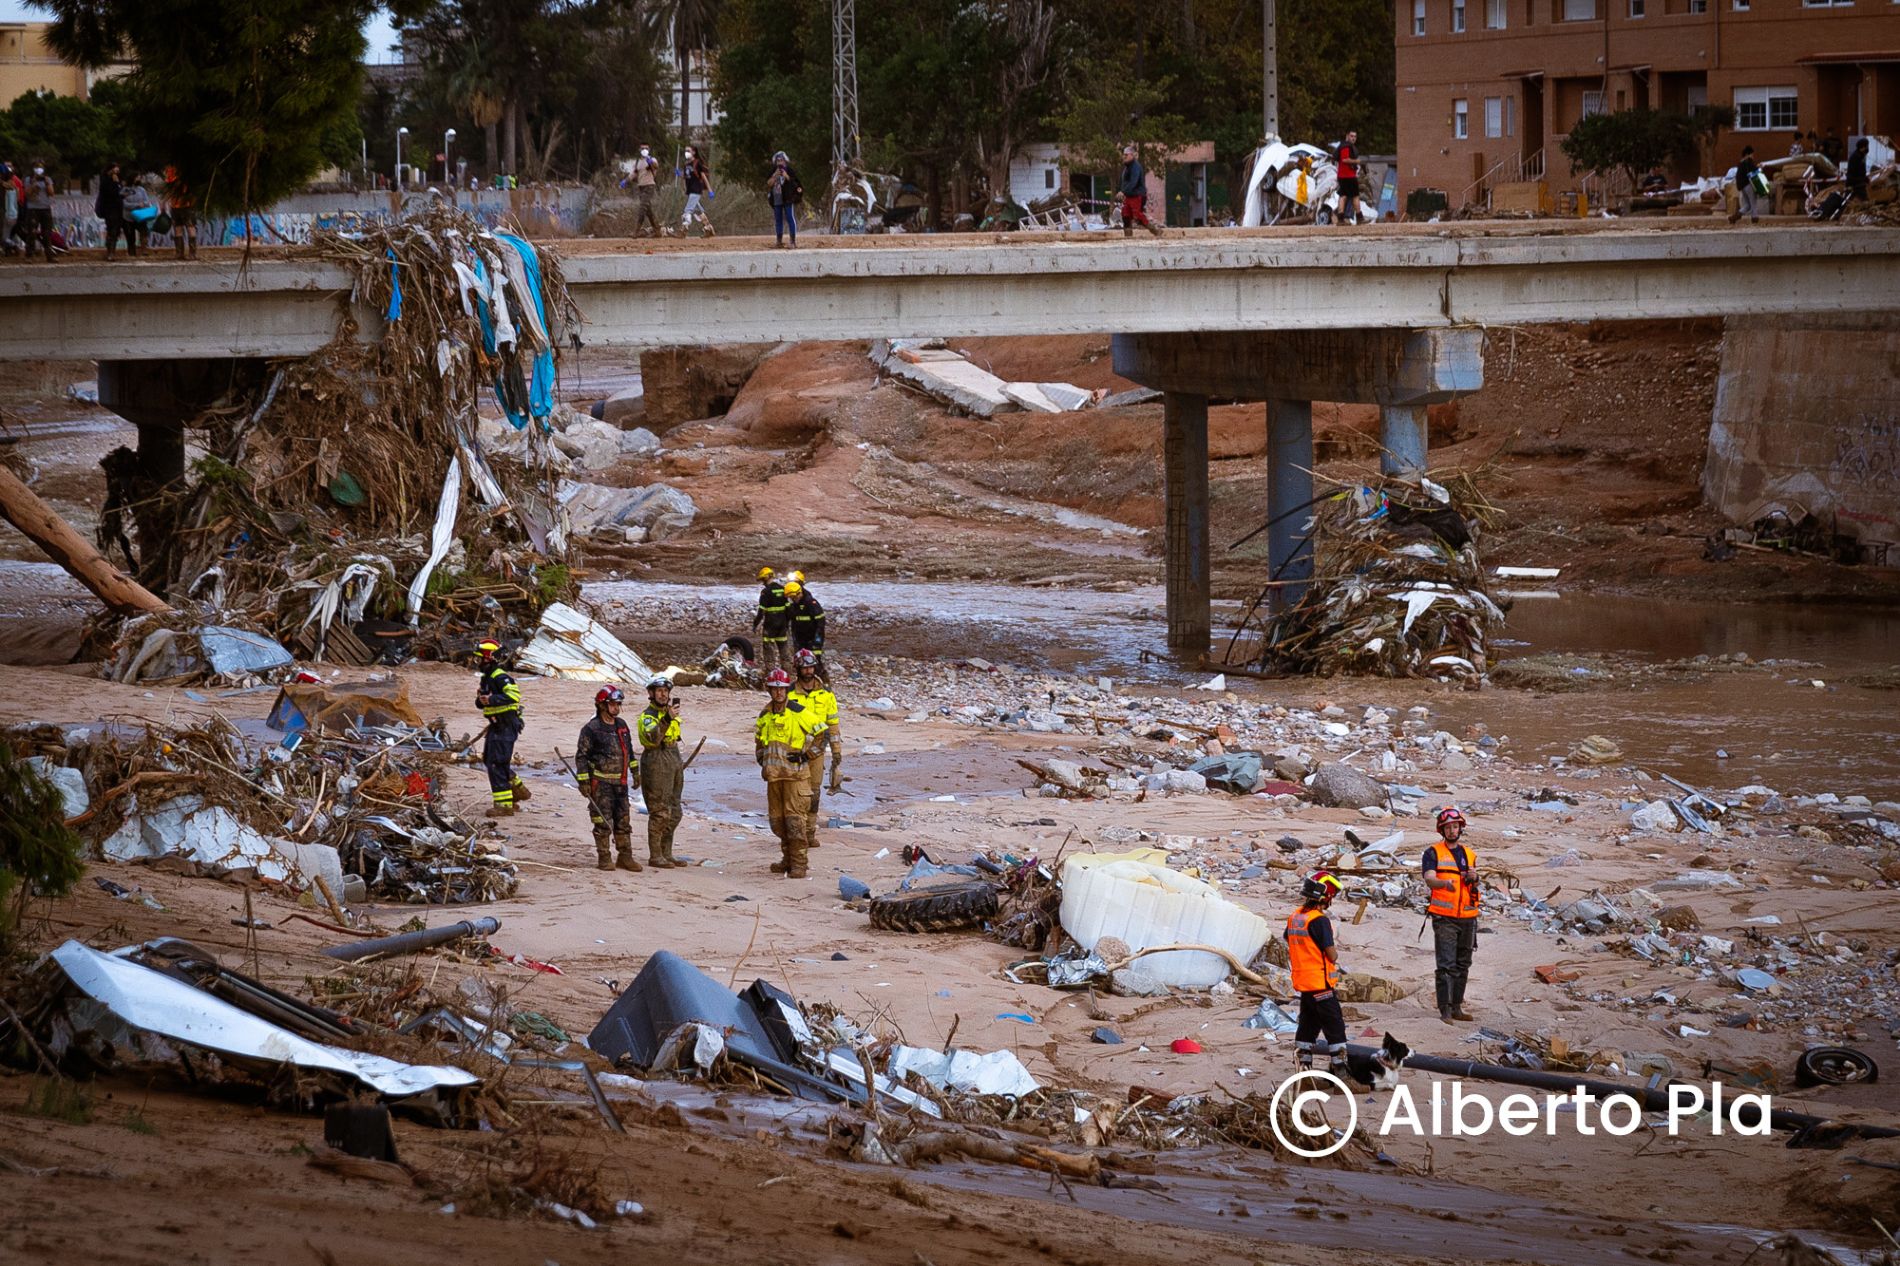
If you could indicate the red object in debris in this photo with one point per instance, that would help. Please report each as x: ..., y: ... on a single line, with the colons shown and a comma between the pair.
x: 1552, y: 974
x: 1186, y: 1046
x: 307, y: 677
x: 415, y: 784
x: 1281, y: 787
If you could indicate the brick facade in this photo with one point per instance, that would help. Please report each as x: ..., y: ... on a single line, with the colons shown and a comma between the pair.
x: 1527, y: 69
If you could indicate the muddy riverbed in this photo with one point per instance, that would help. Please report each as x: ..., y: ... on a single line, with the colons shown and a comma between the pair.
x: 1640, y: 683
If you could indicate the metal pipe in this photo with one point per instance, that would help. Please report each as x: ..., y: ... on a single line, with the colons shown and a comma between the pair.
x: 1653, y: 1100
x: 412, y: 942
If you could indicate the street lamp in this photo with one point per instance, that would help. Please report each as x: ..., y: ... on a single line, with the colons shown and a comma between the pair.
x: 400, y: 133
x: 448, y: 145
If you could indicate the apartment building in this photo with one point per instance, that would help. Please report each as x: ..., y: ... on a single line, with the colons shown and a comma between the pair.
x: 28, y: 65
x: 1488, y: 89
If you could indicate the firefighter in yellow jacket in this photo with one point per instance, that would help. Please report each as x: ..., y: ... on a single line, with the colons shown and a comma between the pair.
x: 499, y: 699
x: 662, y: 774
x: 787, y: 738
x: 812, y: 693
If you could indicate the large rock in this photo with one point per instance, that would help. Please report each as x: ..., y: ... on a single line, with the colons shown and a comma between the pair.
x: 624, y: 408
x: 795, y: 391
x: 1176, y: 782
x: 657, y: 510
x: 684, y: 384
x: 1065, y: 774
x: 592, y: 445
x: 70, y: 783
x: 1655, y: 816
x: 1342, y: 786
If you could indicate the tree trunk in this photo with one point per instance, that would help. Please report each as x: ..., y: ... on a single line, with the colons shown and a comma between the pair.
x: 490, y: 150
x: 935, y: 199
x: 23, y: 508
x: 686, y: 71
x: 511, y: 136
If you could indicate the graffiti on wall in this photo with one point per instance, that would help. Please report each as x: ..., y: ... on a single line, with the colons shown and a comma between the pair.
x: 1867, y: 454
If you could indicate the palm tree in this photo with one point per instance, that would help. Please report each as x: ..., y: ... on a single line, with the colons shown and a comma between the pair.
x: 690, y: 26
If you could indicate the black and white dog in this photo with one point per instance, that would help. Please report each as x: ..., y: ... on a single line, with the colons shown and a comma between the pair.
x: 1380, y: 1069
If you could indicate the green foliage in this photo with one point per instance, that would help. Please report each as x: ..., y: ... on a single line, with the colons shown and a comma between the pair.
x: 39, y: 853
x: 59, y: 1100
x: 75, y: 138
x: 1634, y: 141
x: 553, y: 583
x: 247, y: 98
x: 950, y: 89
x: 137, y: 1122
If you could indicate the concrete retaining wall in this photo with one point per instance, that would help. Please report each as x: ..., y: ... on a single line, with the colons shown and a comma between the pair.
x: 562, y: 208
x: 1807, y: 417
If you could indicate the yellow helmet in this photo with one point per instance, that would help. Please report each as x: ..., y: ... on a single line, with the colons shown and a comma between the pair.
x: 793, y: 589
x: 765, y: 573
x: 799, y: 576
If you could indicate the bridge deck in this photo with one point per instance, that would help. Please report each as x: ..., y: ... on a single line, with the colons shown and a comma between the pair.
x: 1416, y: 276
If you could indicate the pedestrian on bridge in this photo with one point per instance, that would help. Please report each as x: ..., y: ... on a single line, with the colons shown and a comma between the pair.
x: 1134, y: 191
x: 1347, y: 168
x: 1747, y: 172
x: 698, y: 179
x: 182, y: 207
x: 109, y: 205
x: 784, y: 192
x: 646, y: 187
x: 38, y: 216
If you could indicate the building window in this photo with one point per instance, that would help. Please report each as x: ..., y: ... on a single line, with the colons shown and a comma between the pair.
x: 1457, y: 17
x: 1766, y: 109
x: 1592, y: 103
x: 1494, y: 15
x: 1460, y: 119
x: 1418, y: 17
x: 1637, y: 8
x: 1580, y: 10
x: 1741, y: 6
x: 1048, y: 178
x: 1698, y: 6
x: 1827, y: 4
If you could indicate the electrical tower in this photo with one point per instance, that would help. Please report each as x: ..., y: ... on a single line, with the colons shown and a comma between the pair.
x: 846, y: 148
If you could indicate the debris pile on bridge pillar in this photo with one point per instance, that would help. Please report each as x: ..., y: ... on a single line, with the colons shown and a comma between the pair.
x: 1399, y: 589
x: 349, y: 509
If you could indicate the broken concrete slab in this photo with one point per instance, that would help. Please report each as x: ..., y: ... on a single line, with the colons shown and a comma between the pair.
x: 1031, y: 397
x: 954, y: 381
x: 1123, y: 399
x: 657, y: 511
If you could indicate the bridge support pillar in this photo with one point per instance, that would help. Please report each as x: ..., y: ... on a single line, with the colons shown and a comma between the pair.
x: 1403, y: 439
x: 1184, y: 472
x: 1402, y: 371
x: 161, y: 396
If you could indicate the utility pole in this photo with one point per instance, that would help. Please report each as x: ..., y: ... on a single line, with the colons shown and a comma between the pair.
x: 845, y: 141
x: 1270, y: 66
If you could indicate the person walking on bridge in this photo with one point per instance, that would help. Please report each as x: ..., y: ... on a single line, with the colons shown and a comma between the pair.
x: 38, y: 216
x: 662, y: 774
x: 603, y: 764
x: 784, y: 192
x: 1746, y: 190
x: 698, y: 179
x: 772, y: 622
x: 646, y: 187
x: 1134, y: 191
x: 1347, y: 168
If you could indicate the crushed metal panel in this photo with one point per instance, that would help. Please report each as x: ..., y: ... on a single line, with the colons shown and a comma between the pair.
x: 569, y: 645
x: 134, y: 1000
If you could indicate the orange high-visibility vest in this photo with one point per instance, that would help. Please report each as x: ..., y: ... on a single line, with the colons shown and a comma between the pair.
x: 1311, y: 972
x: 1460, y: 901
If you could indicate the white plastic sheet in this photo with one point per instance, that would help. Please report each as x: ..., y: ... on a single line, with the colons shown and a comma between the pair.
x: 994, y: 1073
x: 444, y: 536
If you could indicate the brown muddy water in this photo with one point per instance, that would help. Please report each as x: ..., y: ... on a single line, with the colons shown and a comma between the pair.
x: 1640, y: 685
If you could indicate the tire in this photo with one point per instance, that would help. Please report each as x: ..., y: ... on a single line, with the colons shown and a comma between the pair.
x: 1833, y: 1066
x: 950, y: 907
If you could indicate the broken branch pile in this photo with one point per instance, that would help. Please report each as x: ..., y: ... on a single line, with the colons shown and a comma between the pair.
x: 1398, y: 589
x: 345, y: 496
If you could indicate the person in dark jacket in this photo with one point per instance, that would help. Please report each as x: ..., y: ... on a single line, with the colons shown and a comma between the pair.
x: 808, y: 625
x: 604, y: 762
x: 1745, y: 191
x: 698, y: 180
x: 1857, y: 172
x: 773, y: 622
x: 784, y: 192
x: 1134, y: 192
x: 110, y: 207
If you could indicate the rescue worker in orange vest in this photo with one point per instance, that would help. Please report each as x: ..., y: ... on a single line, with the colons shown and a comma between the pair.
x: 1314, y: 958
x: 1451, y: 872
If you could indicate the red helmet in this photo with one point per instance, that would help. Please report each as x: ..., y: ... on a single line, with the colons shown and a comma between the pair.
x: 608, y: 694
x: 1448, y: 815
x: 778, y: 678
x: 805, y: 659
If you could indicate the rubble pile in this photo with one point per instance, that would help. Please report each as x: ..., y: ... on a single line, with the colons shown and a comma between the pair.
x: 347, y: 804
x: 349, y: 507
x: 1398, y: 590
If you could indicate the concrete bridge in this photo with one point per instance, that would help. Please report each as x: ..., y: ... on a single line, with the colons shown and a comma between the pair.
x: 1390, y: 315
